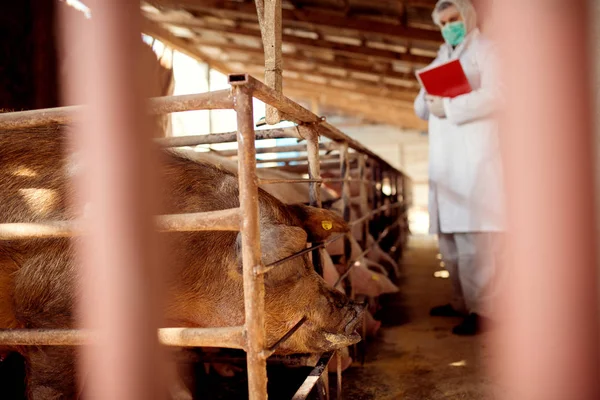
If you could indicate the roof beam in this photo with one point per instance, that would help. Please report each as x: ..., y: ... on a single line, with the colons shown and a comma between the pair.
x: 311, y: 17
x: 350, y: 84
x: 352, y: 87
x: 301, y: 42
x: 385, y: 72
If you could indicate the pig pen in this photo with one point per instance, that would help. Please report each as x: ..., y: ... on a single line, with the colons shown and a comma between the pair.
x: 383, y: 216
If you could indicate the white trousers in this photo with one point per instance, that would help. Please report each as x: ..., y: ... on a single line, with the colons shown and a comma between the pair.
x: 472, y: 260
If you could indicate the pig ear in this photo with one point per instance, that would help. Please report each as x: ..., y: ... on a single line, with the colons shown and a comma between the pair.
x: 319, y: 223
x: 276, y: 242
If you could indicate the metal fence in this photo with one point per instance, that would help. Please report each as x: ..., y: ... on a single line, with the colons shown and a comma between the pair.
x: 251, y: 336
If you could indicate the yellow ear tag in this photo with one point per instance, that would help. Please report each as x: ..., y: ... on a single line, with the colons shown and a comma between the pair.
x: 375, y: 277
x: 327, y: 225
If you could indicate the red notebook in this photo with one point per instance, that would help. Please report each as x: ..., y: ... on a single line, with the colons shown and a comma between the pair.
x: 445, y: 80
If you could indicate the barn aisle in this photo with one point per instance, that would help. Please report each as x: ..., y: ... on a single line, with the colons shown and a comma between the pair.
x: 415, y: 356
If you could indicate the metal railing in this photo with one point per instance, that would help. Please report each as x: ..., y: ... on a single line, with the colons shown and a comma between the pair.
x: 251, y: 336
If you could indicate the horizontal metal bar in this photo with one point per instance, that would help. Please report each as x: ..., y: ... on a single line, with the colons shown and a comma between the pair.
x: 297, y: 360
x: 324, y: 180
x: 274, y: 264
x: 229, y: 337
x: 227, y: 137
x: 304, y: 158
x: 273, y: 98
x: 221, y: 99
x: 217, y: 100
x: 278, y: 149
x: 375, y: 212
x: 14, y: 231
x: 221, y: 220
x: 277, y: 181
x: 312, y: 378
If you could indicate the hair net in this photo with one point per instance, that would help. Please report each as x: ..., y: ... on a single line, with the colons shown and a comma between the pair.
x: 465, y: 8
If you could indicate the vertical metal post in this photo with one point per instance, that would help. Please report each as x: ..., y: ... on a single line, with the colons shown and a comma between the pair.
x: 119, y: 257
x: 547, y: 342
x: 364, y: 200
x: 338, y: 360
x: 345, y: 175
x: 254, y: 288
x: 314, y: 172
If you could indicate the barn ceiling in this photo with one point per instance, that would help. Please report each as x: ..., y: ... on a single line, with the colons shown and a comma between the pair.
x: 354, y: 56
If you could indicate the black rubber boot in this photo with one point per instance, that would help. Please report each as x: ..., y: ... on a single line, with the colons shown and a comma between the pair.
x: 445, y: 311
x: 470, y: 326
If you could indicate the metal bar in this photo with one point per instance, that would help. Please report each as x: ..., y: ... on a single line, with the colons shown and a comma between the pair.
x: 547, y: 309
x: 310, y: 382
x: 273, y: 98
x: 346, y: 194
x: 366, y: 251
x: 338, y: 360
x: 364, y: 206
x: 228, y: 137
x: 304, y: 168
x: 221, y: 220
x: 159, y: 105
x: 269, y: 267
x: 314, y: 173
x: 254, y: 289
x: 229, y: 337
x: 275, y: 346
x: 279, y: 149
x: 14, y: 231
x: 324, y: 180
x: 301, y: 158
x: 216, y: 100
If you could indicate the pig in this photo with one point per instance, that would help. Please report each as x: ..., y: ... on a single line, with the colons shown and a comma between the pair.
x: 376, y: 254
x: 288, y: 193
x: 38, y: 278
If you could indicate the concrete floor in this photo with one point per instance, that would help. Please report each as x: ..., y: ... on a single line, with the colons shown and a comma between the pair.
x: 415, y: 356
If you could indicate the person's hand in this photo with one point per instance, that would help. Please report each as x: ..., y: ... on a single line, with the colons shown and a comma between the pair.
x: 436, y: 106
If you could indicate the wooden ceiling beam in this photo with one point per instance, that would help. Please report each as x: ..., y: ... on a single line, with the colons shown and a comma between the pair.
x: 385, y: 72
x: 354, y: 88
x: 382, y: 115
x: 319, y: 18
x: 301, y: 42
x: 387, y: 91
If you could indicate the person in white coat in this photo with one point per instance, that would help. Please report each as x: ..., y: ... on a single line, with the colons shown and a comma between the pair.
x: 466, y: 196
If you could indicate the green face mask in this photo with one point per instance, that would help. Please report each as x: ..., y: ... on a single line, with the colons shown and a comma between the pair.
x: 454, y: 33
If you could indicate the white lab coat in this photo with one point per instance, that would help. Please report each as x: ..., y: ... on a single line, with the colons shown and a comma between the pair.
x: 466, y: 192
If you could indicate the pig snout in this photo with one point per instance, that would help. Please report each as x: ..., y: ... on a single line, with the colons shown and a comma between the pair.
x: 354, y: 316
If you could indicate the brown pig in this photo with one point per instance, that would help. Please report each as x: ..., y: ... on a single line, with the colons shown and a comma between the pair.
x: 38, y: 278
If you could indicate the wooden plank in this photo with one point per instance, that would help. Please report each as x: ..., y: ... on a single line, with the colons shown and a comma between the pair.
x: 272, y: 41
x: 382, y: 69
x: 318, y: 18
x: 361, y: 86
x: 301, y: 42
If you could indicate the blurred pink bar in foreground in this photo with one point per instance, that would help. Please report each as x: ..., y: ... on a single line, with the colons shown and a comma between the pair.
x: 546, y: 344
x: 119, y: 257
